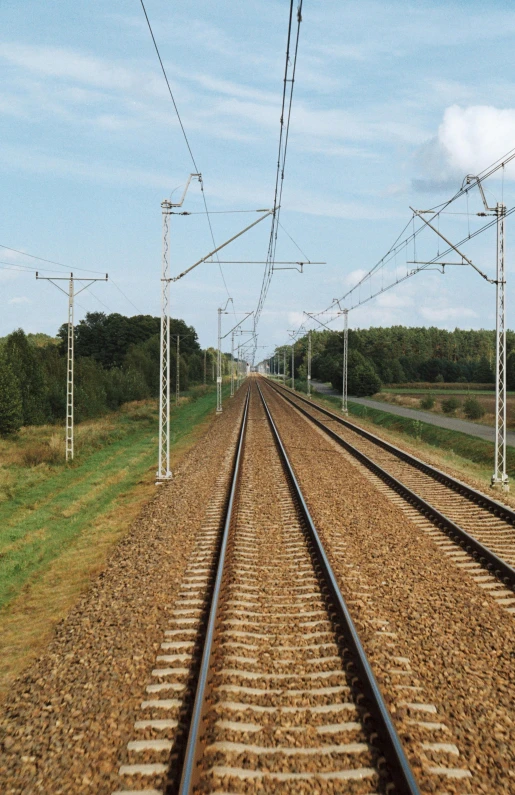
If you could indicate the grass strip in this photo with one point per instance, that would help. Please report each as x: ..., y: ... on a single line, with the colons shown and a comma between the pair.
x: 479, y: 451
x: 43, y: 519
x: 62, y: 538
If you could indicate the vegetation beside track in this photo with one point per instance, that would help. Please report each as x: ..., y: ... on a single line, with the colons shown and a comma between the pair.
x: 465, y: 454
x: 58, y: 522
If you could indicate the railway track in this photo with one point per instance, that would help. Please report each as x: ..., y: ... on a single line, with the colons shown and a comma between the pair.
x: 481, y: 527
x: 285, y: 699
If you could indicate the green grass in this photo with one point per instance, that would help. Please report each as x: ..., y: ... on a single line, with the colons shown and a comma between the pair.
x: 46, y: 507
x: 470, y: 448
x: 437, y: 391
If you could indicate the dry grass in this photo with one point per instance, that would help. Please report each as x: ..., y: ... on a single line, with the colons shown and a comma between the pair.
x: 27, y: 621
x: 412, y: 401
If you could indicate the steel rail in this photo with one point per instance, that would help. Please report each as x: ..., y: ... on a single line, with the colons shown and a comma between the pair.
x: 193, y: 747
x: 478, y: 497
x: 482, y: 554
x: 397, y: 762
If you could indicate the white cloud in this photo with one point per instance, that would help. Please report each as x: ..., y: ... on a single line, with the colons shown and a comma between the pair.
x: 468, y: 140
x: 296, y: 319
x: 394, y: 301
x: 22, y: 299
x: 69, y: 64
x: 355, y: 276
x: 447, y: 313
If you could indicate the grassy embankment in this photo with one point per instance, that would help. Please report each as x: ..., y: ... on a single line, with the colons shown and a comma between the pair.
x: 411, y: 396
x: 58, y: 522
x: 465, y: 454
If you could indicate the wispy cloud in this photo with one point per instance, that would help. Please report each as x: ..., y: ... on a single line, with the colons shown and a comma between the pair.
x: 22, y: 299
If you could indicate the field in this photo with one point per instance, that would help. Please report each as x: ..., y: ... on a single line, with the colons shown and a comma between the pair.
x: 410, y: 397
x: 58, y: 522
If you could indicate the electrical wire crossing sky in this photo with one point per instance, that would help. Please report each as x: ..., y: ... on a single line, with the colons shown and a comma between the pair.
x: 379, y: 114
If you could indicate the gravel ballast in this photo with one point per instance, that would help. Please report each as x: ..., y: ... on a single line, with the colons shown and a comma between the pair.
x: 458, y: 642
x: 67, y: 718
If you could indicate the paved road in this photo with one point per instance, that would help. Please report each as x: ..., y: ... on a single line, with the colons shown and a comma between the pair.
x: 451, y: 423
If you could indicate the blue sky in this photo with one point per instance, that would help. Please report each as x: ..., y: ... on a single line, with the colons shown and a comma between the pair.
x: 394, y: 103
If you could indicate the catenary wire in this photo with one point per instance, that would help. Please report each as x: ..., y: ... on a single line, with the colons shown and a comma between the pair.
x: 42, y: 259
x: 185, y: 139
x: 111, y: 281
x: 281, y: 158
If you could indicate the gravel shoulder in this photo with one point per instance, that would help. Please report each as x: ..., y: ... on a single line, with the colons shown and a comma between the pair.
x: 66, y: 718
x: 450, y: 423
x: 459, y: 643
x: 429, y: 454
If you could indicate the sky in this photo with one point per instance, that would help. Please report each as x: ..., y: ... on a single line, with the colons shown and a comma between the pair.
x: 394, y: 103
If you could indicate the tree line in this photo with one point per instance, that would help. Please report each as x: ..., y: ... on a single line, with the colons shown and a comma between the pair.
x: 400, y: 354
x: 116, y: 360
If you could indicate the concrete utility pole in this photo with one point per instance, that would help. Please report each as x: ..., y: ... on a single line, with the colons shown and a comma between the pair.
x: 205, y: 364
x: 309, y: 365
x: 284, y: 366
x: 71, y: 293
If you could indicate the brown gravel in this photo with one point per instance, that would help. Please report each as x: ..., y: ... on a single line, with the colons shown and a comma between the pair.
x: 433, y: 456
x: 69, y: 715
x: 283, y: 717
x: 458, y: 643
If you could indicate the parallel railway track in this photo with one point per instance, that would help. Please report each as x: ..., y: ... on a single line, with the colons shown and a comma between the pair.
x: 264, y: 685
x: 286, y: 700
x: 481, y: 526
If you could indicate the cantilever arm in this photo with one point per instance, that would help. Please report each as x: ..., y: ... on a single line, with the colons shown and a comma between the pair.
x: 467, y: 260
x: 200, y: 261
x: 238, y: 324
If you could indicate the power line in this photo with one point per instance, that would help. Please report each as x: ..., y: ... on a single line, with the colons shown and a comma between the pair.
x: 126, y: 297
x: 293, y: 241
x: 168, y: 84
x: 185, y: 137
x: 98, y: 299
x: 51, y: 261
x: 284, y: 130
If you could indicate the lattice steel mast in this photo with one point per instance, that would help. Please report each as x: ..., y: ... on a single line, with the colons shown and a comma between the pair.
x: 163, y: 461
x: 500, y: 477
x: 70, y: 349
x: 345, y: 359
x: 309, y: 365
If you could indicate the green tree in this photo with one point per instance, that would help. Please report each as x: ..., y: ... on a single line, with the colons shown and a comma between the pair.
x: 11, y: 407
x: 363, y: 380
x: 510, y: 371
x: 24, y: 360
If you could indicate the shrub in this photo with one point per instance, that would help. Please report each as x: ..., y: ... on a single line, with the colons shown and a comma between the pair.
x: 42, y: 453
x: 450, y: 405
x: 473, y: 409
x: 439, y: 379
x: 427, y: 402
